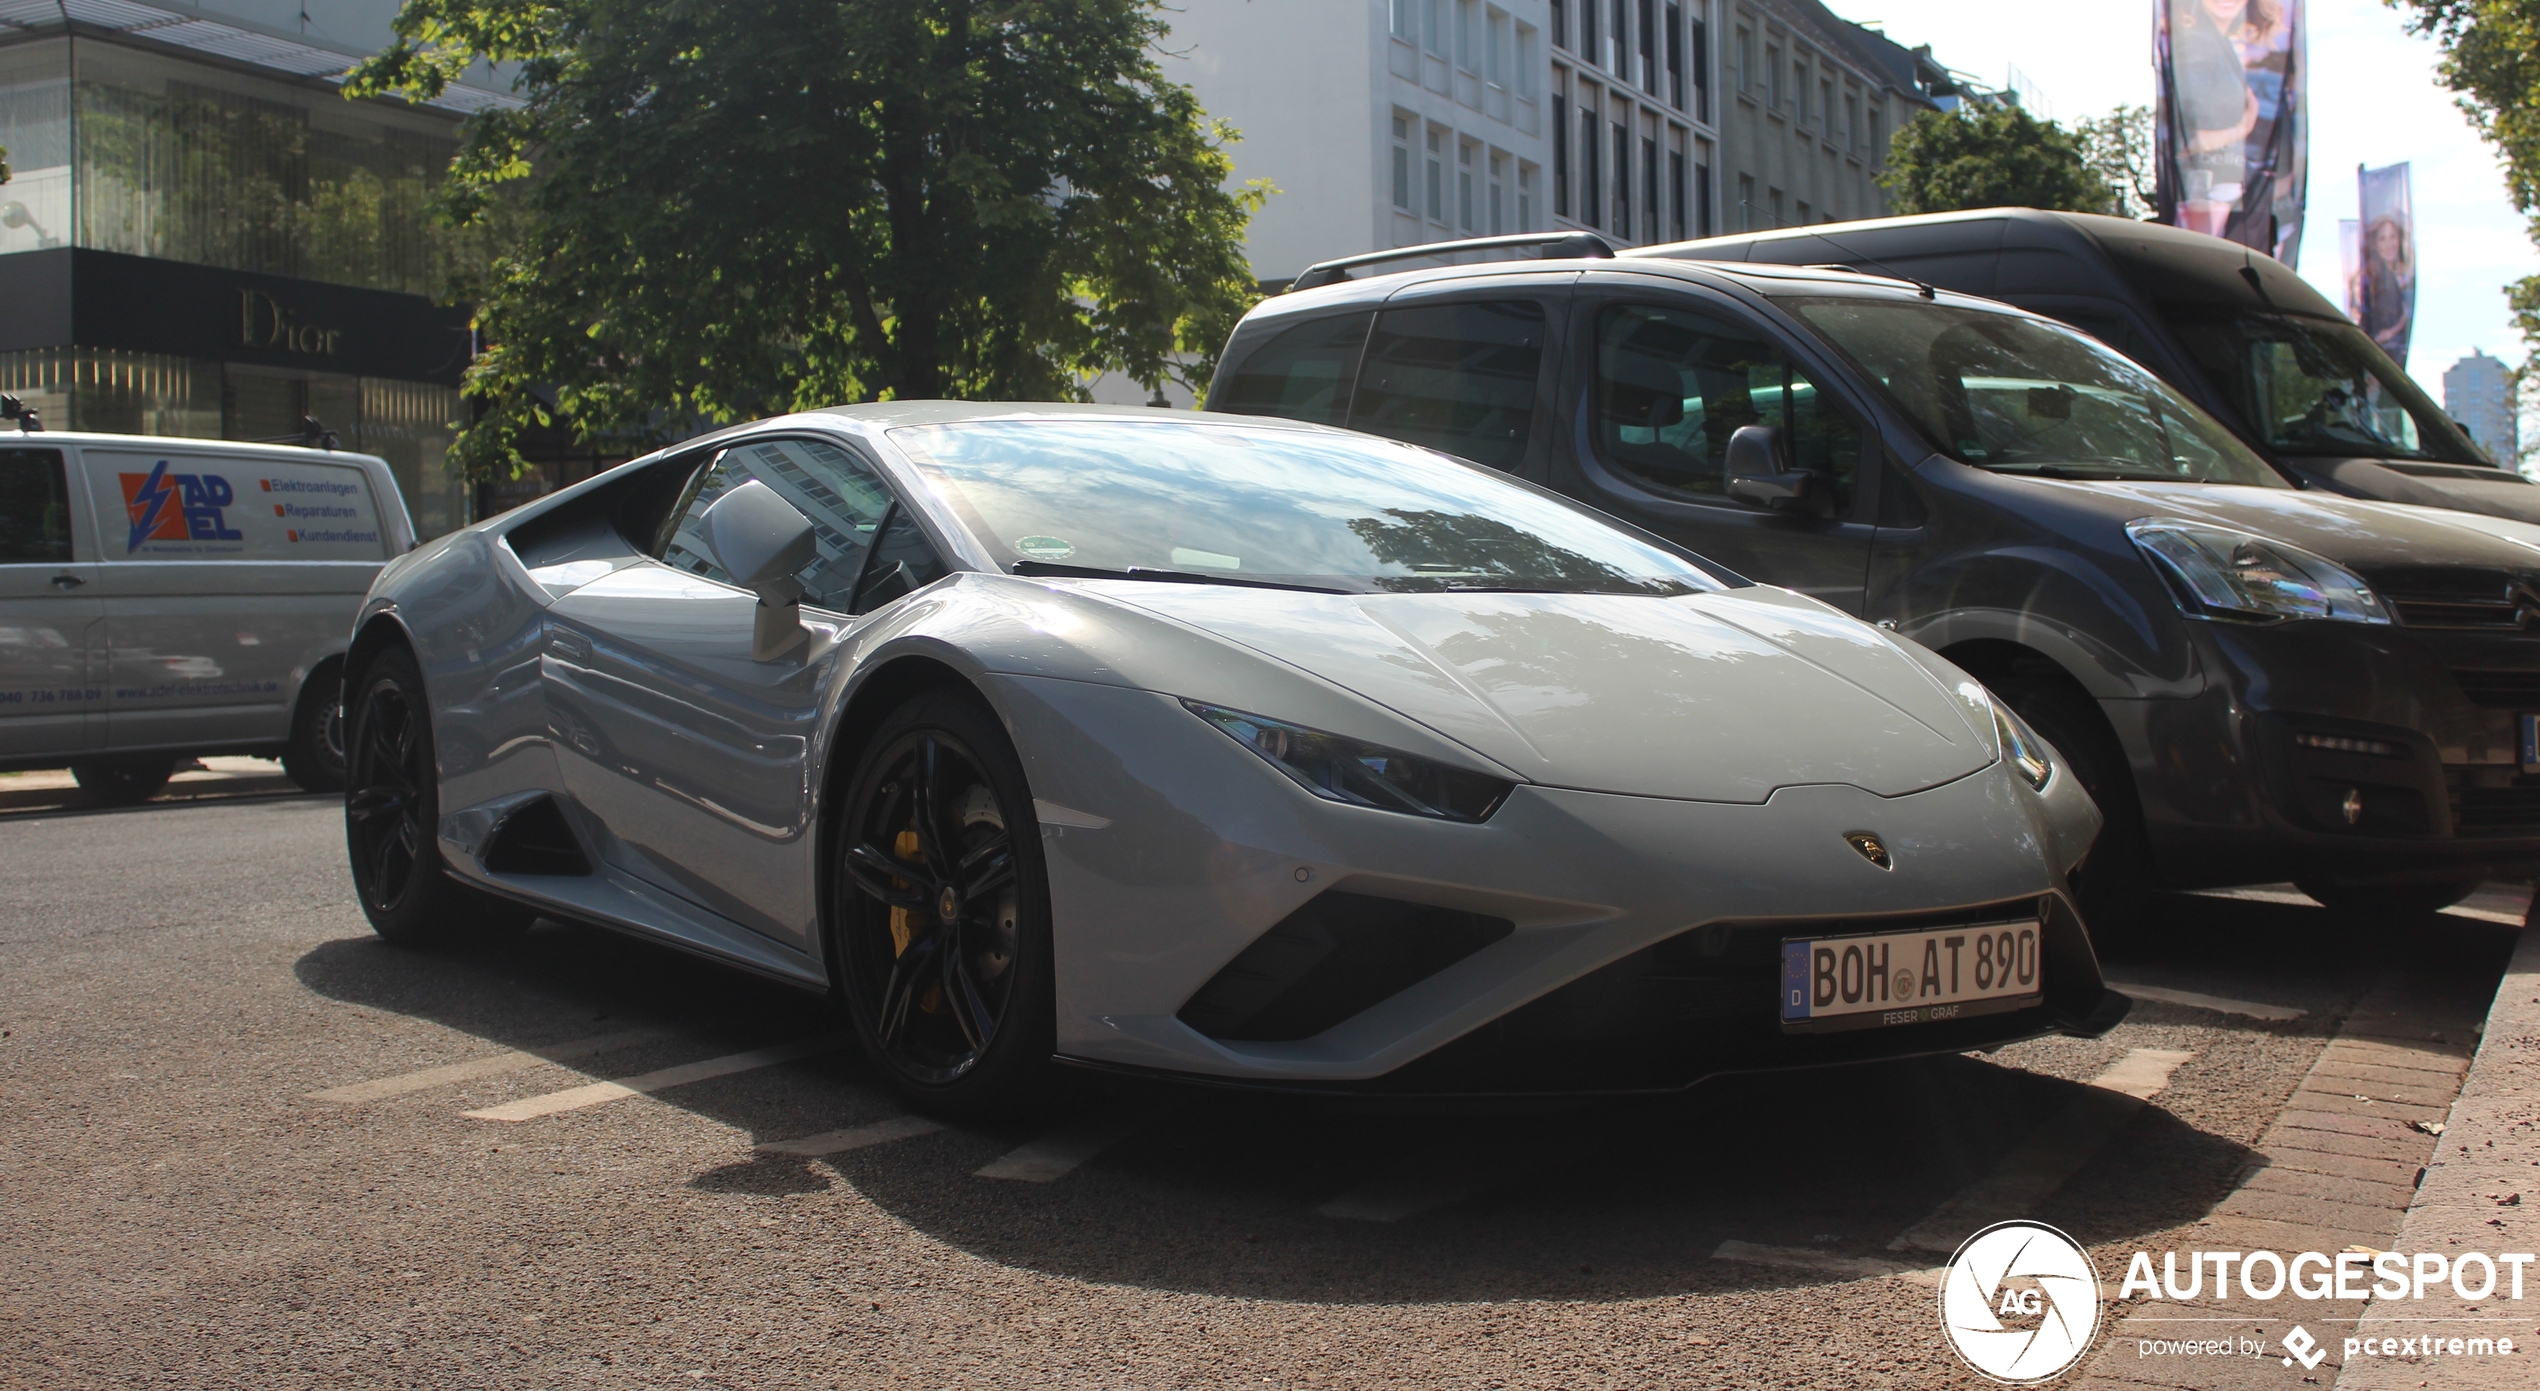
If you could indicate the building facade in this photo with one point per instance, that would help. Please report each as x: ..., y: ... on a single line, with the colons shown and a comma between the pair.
x: 2478, y: 391
x: 1811, y: 102
x: 202, y: 237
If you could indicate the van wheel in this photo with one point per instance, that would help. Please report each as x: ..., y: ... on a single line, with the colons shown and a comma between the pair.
x: 315, y: 756
x: 123, y: 782
x: 392, y: 813
x: 2386, y: 900
x: 2114, y: 883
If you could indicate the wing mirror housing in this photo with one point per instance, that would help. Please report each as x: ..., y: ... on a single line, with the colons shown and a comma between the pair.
x: 1756, y: 475
x: 760, y: 540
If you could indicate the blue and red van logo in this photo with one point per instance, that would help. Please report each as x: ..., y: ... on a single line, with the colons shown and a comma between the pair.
x: 166, y: 506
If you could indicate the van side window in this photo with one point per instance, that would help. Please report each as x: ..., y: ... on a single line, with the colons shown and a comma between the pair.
x: 1673, y: 385
x: 843, y: 498
x: 35, y: 508
x: 1455, y: 377
x: 1302, y: 373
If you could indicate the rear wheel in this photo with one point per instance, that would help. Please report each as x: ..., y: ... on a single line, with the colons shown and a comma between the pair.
x: 126, y: 781
x: 2114, y: 884
x: 315, y: 756
x: 391, y: 810
x: 940, y: 912
x: 2386, y: 900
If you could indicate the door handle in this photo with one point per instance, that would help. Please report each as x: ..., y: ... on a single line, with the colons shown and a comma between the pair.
x: 67, y: 581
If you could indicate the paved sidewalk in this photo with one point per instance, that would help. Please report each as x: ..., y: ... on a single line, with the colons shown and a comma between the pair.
x: 2481, y: 1193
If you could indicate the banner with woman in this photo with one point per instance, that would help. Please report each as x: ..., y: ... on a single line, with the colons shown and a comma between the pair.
x: 2232, y: 123
x: 2381, y: 290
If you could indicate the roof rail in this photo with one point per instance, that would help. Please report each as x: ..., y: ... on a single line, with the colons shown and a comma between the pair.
x: 1556, y: 246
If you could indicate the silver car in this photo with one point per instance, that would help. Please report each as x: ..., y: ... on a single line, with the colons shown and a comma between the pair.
x: 1229, y: 748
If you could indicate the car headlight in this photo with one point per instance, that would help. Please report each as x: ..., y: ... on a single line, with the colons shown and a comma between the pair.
x: 2021, y: 748
x: 1361, y: 774
x: 2233, y: 574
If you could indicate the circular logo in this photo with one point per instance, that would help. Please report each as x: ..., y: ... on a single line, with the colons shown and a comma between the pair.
x: 2020, y: 1302
x: 1043, y: 548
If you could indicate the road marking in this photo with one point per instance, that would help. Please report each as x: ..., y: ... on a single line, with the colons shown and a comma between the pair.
x: 2048, y: 1158
x: 854, y: 1138
x: 1059, y: 1153
x: 644, y: 1084
x: 2197, y: 1000
x: 494, y: 1066
x: 1825, y: 1263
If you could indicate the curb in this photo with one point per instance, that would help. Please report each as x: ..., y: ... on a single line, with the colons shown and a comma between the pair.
x: 2481, y: 1192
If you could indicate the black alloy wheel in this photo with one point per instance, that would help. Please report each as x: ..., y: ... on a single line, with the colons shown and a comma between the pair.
x: 942, y: 911
x: 392, y: 809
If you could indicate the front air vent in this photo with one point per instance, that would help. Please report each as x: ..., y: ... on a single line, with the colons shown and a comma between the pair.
x: 534, y: 839
x: 2501, y: 690
x: 2441, y: 596
x: 1331, y: 959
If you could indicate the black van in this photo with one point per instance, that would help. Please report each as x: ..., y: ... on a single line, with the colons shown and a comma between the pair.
x: 2257, y: 682
x: 2237, y: 332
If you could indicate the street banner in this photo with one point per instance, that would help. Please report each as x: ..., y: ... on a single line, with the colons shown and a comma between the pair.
x: 2231, y: 141
x: 2350, y: 259
x: 2381, y: 291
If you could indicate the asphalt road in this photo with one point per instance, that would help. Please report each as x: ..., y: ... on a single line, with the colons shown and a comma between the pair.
x: 179, y: 1208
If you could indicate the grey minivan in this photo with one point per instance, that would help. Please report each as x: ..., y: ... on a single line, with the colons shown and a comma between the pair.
x: 162, y: 599
x: 2235, y: 331
x: 2257, y: 682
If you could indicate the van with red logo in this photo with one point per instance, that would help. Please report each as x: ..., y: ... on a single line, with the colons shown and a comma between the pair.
x: 163, y: 599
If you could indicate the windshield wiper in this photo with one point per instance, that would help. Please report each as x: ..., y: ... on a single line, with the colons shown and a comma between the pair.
x: 1141, y: 572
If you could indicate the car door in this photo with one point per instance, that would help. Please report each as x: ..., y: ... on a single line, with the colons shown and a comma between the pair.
x: 1664, y: 378
x: 50, y: 615
x: 693, y: 756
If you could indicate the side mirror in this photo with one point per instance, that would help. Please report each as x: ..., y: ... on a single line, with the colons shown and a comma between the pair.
x: 1756, y: 474
x: 760, y: 540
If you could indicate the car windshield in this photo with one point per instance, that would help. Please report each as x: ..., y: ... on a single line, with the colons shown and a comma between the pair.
x: 2317, y: 387
x: 1239, y: 503
x: 2019, y: 395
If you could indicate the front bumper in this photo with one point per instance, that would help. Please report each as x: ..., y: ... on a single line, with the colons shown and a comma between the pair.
x: 2341, y: 751
x: 1587, y: 915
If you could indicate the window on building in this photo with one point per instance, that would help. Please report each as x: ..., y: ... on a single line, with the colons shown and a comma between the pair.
x: 1703, y: 225
x: 1746, y: 203
x: 1673, y: 385
x: 1591, y: 164
x: 1406, y: 20
x: 1804, y: 219
x: 1437, y: 175
x: 1528, y: 64
x: 1304, y: 373
x: 1498, y: 221
x: 1772, y: 78
x: 1560, y: 155
x: 1701, y: 65
x: 1799, y: 90
x: 1526, y: 195
x: 1495, y: 48
x: 1464, y: 184
x: 1622, y: 180
x: 1458, y: 377
x: 1560, y: 23
x: 1588, y: 41
x: 1773, y: 205
x: 1676, y: 195
x: 1878, y: 135
x: 1433, y: 29
x: 1744, y: 54
x: 1649, y: 187
x: 1402, y: 163
x: 1675, y: 57
x: 1825, y: 103
x: 1852, y: 122
x: 1619, y: 42
x: 1468, y: 35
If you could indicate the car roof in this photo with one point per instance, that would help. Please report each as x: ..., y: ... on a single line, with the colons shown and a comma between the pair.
x: 241, y: 448
x: 1752, y: 277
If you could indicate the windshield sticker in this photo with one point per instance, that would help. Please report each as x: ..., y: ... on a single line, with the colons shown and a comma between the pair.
x: 1190, y: 559
x: 1043, y: 548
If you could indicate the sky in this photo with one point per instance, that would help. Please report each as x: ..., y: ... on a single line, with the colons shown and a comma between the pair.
x: 2375, y: 100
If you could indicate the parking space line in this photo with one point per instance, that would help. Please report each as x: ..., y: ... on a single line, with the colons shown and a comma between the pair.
x: 830, y: 1142
x: 2197, y: 1000
x: 2048, y: 1158
x: 1825, y: 1262
x: 494, y: 1066
x: 1059, y: 1153
x: 643, y: 1084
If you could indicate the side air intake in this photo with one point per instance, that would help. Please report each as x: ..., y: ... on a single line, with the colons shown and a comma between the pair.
x: 1331, y: 959
x: 534, y: 839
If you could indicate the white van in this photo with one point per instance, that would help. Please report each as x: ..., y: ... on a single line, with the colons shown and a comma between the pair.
x: 162, y: 599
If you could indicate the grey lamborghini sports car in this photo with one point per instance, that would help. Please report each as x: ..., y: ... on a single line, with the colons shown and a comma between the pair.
x: 1214, y: 746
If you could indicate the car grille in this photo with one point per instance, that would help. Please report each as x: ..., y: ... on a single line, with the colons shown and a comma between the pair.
x: 2492, y: 801
x: 2429, y: 596
x: 2501, y: 690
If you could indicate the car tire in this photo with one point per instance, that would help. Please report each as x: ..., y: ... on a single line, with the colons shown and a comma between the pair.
x: 948, y: 979
x: 391, y: 813
x: 2386, y: 900
x: 126, y: 781
x: 2113, y: 885
x: 315, y: 756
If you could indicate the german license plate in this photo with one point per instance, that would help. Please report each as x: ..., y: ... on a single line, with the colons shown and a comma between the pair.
x: 1877, y: 979
x: 2529, y: 726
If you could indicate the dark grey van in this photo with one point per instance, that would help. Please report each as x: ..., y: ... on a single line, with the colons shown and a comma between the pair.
x: 2236, y: 331
x: 2257, y: 682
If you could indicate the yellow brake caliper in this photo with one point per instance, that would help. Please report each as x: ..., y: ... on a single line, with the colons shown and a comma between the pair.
x: 906, y: 848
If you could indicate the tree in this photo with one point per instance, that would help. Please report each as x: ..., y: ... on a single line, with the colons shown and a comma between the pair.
x: 2117, y: 149
x: 1989, y: 155
x: 2491, y: 59
x: 714, y: 212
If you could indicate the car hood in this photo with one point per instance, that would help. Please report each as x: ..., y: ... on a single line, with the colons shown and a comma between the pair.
x: 1714, y: 697
x: 2360, y: 535
x: 2494, y: 492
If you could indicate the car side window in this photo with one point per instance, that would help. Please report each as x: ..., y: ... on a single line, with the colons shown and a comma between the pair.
x: 1672, y: 385
x: 843, y: 498
x: 1460, y: 378
x: 1302, y: 373
x: 904, y: 561
x: 35, y: 508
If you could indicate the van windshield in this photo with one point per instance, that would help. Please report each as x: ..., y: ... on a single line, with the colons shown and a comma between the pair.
x: 2013, y: 394
x: 2316, y: 387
